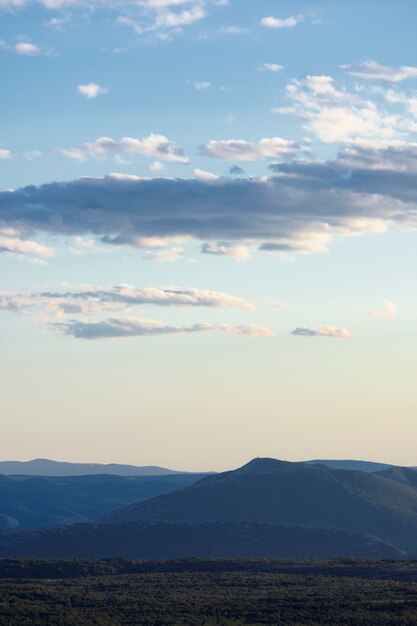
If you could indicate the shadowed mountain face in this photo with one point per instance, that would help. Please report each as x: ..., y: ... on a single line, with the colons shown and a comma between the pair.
x: 46, y: 467
x: 266, y: 490
x: 360, y: 466
x: 36, y: 501
x: 167, y: 540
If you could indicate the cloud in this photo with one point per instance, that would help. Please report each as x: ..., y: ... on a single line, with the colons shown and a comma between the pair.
x: 271, y: 67
x: 164, y: 18
x: 87, y: 299
x: 371, y: 70
x: 26, y: 48
x: 118, y: 328
x: 91, y: 90
x: 5, y: 154
x: 204, y: 175
x: 202, y: 86
x: 300, y: 208
x: 166, y: 256
x: 276, y: 22
x: 240, y: 150
x: 388, y: 312
x: 152, y: 146
x: 325, y: 331
x: 334, y: 114
x: 11, y: 240
x: 221, y: 248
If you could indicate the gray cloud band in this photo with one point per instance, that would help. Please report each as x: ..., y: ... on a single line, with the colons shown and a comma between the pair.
x: 299, y: 208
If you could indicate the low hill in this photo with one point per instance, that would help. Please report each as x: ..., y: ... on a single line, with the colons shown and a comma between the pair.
x: 383, y: 504
x: 47, y: 467
x: 167, y: 540
x: 34, y: 501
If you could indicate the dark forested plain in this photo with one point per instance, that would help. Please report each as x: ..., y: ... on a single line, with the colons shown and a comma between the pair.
x: 206, y: 592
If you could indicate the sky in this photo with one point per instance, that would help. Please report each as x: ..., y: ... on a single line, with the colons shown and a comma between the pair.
x: 208, y: 215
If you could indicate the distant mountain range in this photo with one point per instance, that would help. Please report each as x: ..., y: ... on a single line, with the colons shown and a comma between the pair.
x: 265, y: 508
x: 36, y: 501
x: 46, y: 467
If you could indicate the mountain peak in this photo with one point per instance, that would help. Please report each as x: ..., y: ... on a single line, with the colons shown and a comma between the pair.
x: 263, y: 465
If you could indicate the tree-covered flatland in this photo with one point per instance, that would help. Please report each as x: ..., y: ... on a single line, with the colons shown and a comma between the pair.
x: 200, y: 592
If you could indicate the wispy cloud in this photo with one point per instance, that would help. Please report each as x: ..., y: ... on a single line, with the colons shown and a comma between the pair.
x: 119, y: 328
x: 334, y: 332
x: 371, y: 70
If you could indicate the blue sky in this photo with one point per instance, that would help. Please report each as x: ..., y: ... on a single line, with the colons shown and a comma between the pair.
x: 207, y: 230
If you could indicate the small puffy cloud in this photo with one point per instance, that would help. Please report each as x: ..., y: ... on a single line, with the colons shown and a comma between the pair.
x: 5, y: 154
x: 157, y: 167
x: 202, y: 86
x: 371, y: 70
x: 388, y: 311
x: 241, y: 150
x: 271, y: 67
x: 91, y: 90
x: 235, y: 251
x: 152, y: 146
x: 119, y: 328
x: 31, y: 155
x: 204, y: 175
x: 276, y: 22
x: 334, y: 332
x: 27, y: 49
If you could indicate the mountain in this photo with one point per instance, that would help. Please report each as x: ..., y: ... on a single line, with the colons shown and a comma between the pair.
x: 360, y: 466
x: 383, y: 504
x: 167, y: 540
x: 36, y: 501
x: 46, y: 467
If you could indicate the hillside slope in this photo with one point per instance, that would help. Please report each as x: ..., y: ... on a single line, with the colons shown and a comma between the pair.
x: 266, y: 490
x: 34, y: 501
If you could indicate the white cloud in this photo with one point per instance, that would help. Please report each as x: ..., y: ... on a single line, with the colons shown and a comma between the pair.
x: 91, y: 90
x: 276, y: 22
x: 217, y: 248
x: 334, y: 332
x: 87, y: 300
x: 152, y: 146
x: 233, y: 30
x: 388, y: 312
x: 204, y: 175
x: 157, y: 167
x: 27, y: 49
x: 5, y: 154
x: 371, y: 70
x: 202, y: 86
x: 271, y: 67
x: 241, y: 150
x: 336, y: 115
